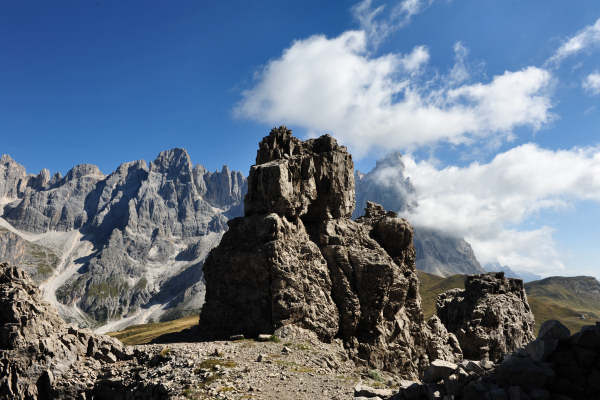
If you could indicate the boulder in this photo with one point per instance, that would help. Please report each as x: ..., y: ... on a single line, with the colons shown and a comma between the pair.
x: 490, y: 317
x: 438, y: 370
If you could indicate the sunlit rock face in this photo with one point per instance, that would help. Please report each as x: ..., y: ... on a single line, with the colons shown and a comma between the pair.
x: 297, y: 259
x: 490, y: 317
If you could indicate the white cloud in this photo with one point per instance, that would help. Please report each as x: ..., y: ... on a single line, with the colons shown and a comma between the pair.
x: 486, y: 203
x: 375, y: 102
x: 459, y: 72
x: 415, y: 60
x: 588, y: 36
x: 592, y: 83
x: 378, y: 23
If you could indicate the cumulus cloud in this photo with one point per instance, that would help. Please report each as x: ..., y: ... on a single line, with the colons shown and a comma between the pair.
x: 587, y: 37
x: 486, y: 203
x: 378, y: 22
x: 592, y: 83
x: 372, y: 102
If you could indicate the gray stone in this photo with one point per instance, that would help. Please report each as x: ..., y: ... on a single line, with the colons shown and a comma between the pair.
x: 553, y: 329
x: 362, y: 390
x: 438, y: 370
x: 490, y: 317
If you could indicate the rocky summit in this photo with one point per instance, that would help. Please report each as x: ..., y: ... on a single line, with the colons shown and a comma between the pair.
x: 297, y: 262
x: 490, y: 317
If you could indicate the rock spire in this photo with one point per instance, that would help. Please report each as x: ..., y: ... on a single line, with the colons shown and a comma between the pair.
x: 297, y: 262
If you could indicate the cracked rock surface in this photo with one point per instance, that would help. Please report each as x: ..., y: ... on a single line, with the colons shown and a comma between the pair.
x: 297, y: 259
x: 490, y: 317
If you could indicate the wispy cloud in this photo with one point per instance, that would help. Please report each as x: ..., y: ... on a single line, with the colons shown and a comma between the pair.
x: 592, y: 83
x: 379, y: 102
x: 459, y: 72
x: 380, y: 21
x: 586, y: 38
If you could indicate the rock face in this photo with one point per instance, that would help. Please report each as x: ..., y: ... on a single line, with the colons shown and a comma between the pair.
x: 443, y: 254
x: 40, y: 357
x: 128, y: 244
x: 555, y: 366
x: 437, y: 252
x: 297, y: 260
x: 38, y: 261
x: 490, y: 317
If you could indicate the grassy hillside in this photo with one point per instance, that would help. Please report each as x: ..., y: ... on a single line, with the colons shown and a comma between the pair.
x: 432, y: 285
x: 140, y: 334
x: 564, y: 299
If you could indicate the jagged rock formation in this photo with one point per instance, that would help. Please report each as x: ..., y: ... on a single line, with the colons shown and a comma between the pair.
x: 130, y: 244
x: 490, y: 317
x: 438, y: 252
x: 297, y: 259
x: 41, y: 357
x: 554, y: 366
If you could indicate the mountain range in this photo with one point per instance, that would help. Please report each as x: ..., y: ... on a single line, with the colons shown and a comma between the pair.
x: 126, y: 248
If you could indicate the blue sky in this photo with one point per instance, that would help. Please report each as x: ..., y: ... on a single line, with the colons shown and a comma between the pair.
x: 494, y: 103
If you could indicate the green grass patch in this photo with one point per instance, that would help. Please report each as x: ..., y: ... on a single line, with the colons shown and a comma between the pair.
x: 144, y: 333
x: 211, y: 363
x: 275, y: 339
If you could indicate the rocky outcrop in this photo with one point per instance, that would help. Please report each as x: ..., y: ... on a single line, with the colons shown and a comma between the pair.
x: 490, y: 317
x: 437, y: 252
x: 554, y: 366
x: 297, y: 260
x: 41, y: 357
x: 135, y: 239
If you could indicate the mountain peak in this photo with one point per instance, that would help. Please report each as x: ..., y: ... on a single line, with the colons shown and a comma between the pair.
x: 81, y: 170
x: 172, y: 162
x: 6, y: 159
